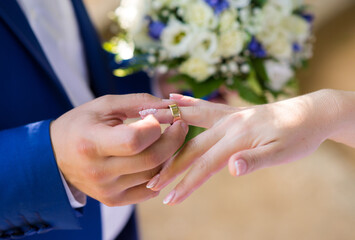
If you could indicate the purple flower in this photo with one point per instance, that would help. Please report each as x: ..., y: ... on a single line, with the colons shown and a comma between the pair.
x: 218, y: 5
x: 155, y: 29
x: 256, y: 48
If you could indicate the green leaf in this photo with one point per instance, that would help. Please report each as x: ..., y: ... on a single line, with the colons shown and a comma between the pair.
x: 259, y: 3
x: 205, y: 88
x: 258, y: 65
x: 125, y: 72
x: 293, y: 83
x: 193, y: 132
x: 305, y: 64
x: 247, y: 93
x: 179, y: 77
x: 254, y: 83
x: 199, y: 89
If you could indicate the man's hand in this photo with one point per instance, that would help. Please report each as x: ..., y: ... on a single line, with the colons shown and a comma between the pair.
x: 107, y: 159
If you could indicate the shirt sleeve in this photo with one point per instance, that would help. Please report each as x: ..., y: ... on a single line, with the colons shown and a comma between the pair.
x: 76, y: 198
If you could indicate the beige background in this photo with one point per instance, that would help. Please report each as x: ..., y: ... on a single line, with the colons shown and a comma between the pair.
x: 313, y: 198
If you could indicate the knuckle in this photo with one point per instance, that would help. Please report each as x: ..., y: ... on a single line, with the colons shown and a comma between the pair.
x: 203, y: 165
x: 150, y: 159
x: 192, y: 144
x: 108, y: 198
x: 146, y: 96
x: 252, y: 162
x: 235, y: 117
x: 86, y: 148
x: 106, y: 99
x: 95, y: 174
x: 110, y: 202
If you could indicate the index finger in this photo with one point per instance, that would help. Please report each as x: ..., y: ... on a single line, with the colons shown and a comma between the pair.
x: 195, y: 111
x: 131, y: 104
x: 199, y: 116
x: 127, y: 139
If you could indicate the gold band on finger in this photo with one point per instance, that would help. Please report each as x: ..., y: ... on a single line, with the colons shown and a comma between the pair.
x: 175, y: 111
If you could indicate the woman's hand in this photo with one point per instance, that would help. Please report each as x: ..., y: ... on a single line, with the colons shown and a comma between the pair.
x: 246, y: 139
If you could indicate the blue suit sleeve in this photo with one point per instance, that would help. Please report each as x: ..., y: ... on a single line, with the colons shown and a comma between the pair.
x: 32, y: 196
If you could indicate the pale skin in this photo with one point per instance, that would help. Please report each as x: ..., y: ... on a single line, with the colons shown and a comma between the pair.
x: 111, y: 161
x: 249, y: 139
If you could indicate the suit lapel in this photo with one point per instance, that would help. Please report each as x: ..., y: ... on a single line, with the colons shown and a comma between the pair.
x: 100, y: 76
x: 13, y: 16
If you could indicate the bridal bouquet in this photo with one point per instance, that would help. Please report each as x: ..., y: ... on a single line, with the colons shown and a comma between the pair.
x: 251, y: 46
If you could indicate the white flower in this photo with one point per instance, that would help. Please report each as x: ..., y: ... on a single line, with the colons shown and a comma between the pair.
x: 204, y: 45
x: 158, y: 4
x: 239, y: 3
x: 224, y: 68
x: 279, y: 74
x: 285, y: 6
x: 197, y: 68
x: 228, y: 20
x: 230, y: 43
x: 271, y: 15
x: 245, y: 68
x: 200, y: 14
x: 162, y: 69
x: 142, y: 40
x: 297, y: 27
x: 280, y: 30
x: 151, y: 59
x: 176, y: 38
x: 280, y: 47
x: 233, y: 67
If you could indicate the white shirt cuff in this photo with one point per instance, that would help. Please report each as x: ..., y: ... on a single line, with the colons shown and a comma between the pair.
x: 76, y: 198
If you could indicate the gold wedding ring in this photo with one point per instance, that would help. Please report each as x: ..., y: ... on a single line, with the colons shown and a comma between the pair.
x: 175, y: 111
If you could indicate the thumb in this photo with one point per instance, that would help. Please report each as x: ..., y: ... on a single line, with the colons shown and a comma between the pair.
x: 248, y: 161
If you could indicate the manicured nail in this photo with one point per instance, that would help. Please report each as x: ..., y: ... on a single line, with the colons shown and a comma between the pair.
x: 240, y: 167
x: 170, y: 197
x: 146, y: 112
x: 153, y: 182
x: 175, y: 96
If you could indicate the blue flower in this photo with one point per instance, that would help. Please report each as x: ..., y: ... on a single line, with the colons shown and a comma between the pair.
x: 155, y: 29
x: 218, y: 5
x: 256, y: 48
x: 296, y: 47
x: 308, y: 17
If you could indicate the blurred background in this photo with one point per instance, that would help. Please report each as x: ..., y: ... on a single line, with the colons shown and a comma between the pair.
x: 313, y: 198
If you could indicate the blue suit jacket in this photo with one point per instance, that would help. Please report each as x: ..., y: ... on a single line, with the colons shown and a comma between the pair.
x: 32, y: 197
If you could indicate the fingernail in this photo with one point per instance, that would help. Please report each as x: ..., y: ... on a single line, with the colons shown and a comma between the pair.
x: 153, y: 182
x: 184, y: 126
x: 175, y: 96
x: 146, y: 112
x: 170, y: 197
x: 240, y: 167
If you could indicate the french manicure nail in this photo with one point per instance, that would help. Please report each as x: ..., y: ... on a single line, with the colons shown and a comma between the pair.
x: 240, y: 167
x: 170, y: 197
x: 146, y: 112
x: 153, y: 182
x: 175, y: 96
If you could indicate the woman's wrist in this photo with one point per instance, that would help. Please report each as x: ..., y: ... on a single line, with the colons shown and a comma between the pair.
x: 343, y: 116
